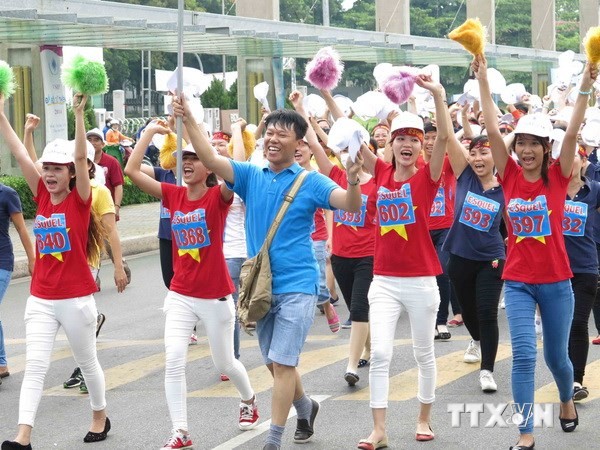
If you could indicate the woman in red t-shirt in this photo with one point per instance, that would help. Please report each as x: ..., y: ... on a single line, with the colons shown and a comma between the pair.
x: 201, y: 287
x: 62, y: 285
x: 537, y: 268
x: 406, y: 263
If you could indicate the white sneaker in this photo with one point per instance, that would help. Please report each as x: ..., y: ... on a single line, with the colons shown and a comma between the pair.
x: 473, y: 353
x: 486, y: 380
x: 502, y: 303
x: 538, y: 325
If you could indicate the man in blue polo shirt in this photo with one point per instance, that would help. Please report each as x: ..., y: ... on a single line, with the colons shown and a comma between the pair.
x: 282, y: 332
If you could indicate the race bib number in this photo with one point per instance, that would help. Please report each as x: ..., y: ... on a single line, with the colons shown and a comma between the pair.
x: 575, y: 218
x: 395, y: 207
x: 165, y: 213
x: 478, y: 212
x: 51, y: 234
x: 438, y: 208
x: 529, y: 218
x: 189, y: 230
x: 352, y: 219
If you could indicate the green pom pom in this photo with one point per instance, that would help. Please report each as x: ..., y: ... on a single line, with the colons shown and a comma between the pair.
x: 7, y: 80
x: 85, y: 76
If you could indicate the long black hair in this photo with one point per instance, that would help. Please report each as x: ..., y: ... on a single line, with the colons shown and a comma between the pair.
x: 545, y: 143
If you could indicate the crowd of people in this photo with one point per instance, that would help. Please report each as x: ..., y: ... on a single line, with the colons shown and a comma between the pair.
x: 419, y: 215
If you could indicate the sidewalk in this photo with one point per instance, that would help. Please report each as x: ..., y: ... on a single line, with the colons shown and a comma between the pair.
x: 138, y: 229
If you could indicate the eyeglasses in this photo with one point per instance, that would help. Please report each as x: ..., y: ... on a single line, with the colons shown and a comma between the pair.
x: 505, y: 130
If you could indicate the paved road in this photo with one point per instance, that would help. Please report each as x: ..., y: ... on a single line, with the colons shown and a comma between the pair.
x: 131, y: 352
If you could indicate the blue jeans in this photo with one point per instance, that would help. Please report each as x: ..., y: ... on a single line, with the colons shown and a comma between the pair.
x: 320, y: 249
x: 234, y: 266
x: 556, y: 308
x: 4, y: 280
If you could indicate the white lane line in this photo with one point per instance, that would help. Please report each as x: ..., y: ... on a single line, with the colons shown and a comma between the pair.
x: 260, y: 429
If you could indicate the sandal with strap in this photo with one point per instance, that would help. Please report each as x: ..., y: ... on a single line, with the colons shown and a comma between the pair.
x: 443, y: 335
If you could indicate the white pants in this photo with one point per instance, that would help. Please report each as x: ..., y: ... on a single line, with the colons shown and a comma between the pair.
x: 181, y: 314
x: 43, y: 318
x: 420, y: 297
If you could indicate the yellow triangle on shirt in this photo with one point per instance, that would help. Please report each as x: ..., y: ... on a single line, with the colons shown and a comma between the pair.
x: 399, y: 229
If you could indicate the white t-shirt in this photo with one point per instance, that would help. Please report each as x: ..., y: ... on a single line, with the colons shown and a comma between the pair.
x: 234, y: 242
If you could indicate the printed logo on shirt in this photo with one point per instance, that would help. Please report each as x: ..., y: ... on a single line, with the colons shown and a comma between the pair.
x: 51, y: 235
x: 352, y: 219
x: 529, y: 218
x: 575, y: 218
x: 165, y: 213
x: 478, y: 212
x: 190, y: 232
x: 438, y: 208
x: 395, y: 210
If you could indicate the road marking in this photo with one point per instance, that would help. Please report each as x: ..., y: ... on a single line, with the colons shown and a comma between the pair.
x: 450, y: 368
x: 260, y: 429
x: 549, y: 392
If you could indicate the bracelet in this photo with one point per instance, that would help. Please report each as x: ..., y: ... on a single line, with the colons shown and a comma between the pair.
x: 585, y: 92
x: 353, y: 184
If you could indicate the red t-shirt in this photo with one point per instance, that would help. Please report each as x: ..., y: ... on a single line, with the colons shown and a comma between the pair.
x: 197, y: 229
x: 536, y: 247
x: 354, y: 233
x: 442, y: 210
x: 320, y: 233
x: 112, y: 173
x: 61, y: 233
x: 403, y: 247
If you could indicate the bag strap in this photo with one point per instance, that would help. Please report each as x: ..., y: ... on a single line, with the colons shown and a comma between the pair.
x: 287, y: 201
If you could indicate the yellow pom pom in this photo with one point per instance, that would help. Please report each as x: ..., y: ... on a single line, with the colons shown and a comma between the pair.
x: 249, y: 144
x: 591, y: 42
x: 471, y: 35
x: 167, y: 156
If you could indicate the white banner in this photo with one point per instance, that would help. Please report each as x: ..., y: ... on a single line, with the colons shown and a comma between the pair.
x: 54, y: 93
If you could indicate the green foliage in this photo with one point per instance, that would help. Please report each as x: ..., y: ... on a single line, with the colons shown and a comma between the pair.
x: 132, y: 195
x: 88, y: 116
x: 217, y: 97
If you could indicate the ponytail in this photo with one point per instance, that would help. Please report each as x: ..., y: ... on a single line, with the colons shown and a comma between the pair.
x: 96, y: 235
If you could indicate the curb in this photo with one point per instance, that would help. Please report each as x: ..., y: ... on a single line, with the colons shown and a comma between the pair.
x: 129, y: 246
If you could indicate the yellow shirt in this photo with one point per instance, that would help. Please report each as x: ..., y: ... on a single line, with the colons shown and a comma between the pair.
x: 102, y: 203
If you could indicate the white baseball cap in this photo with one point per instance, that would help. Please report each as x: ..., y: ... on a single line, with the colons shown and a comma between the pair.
x: 95, y: 132
x: 536, y: 124
x: 407, y: 120
x: 59, y: 151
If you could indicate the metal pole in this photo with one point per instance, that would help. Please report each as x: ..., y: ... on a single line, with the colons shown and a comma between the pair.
x: 325, y: 13
x: 179, y: 89
x: 224, y: 58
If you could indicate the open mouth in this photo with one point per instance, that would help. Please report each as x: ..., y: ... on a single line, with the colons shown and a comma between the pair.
x: 527, y: 159
x: 406, y: 153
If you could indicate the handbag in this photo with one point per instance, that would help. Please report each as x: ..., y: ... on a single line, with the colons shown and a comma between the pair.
x: 256, y: 284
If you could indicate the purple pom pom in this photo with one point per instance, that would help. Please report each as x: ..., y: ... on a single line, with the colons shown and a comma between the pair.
x: 398, y: 87
x: 325, y: 70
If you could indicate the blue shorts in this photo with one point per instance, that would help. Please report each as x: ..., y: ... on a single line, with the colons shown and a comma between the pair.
x: 283, y: 331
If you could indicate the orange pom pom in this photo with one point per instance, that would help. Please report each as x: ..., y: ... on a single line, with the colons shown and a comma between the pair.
x: 471, y: 35
x: 591, y: 42
x: 249, y: 144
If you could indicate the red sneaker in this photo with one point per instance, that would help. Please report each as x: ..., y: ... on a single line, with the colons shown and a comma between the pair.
x: 596, y: 341
x: 178, y: 441
x: 224, y: 377
x: 248, y: 416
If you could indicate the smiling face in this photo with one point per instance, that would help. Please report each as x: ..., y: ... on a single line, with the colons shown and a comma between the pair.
x: 56, y: 177
x: 428, y: 142
x: 406, y: 149
x: 530, y: 151
x: 221, y: 146
x: 194, y: 171
x: 381, y: 136
x: 96, y: 143
x: 302, y: 154
x: 480, y: 159
x: 280, y: 145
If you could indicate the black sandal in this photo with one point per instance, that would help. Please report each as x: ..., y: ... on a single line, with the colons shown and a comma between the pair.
x: 441, y: 335
x: 363, y: 362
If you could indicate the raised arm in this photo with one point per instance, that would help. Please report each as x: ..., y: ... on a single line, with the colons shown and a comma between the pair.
x: 499, y: 149
x: 325, y: 165
x: 80, y: 155
x: 370, y: 158
x: 18, y: 150
x: 31, y: 123
x: 569, y: 144
x: 133, y: 169
x: 218, y: 164
x: 333, y: 107
x: 457, y: 154
x: 436, y: 163
x: 350, y: 199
